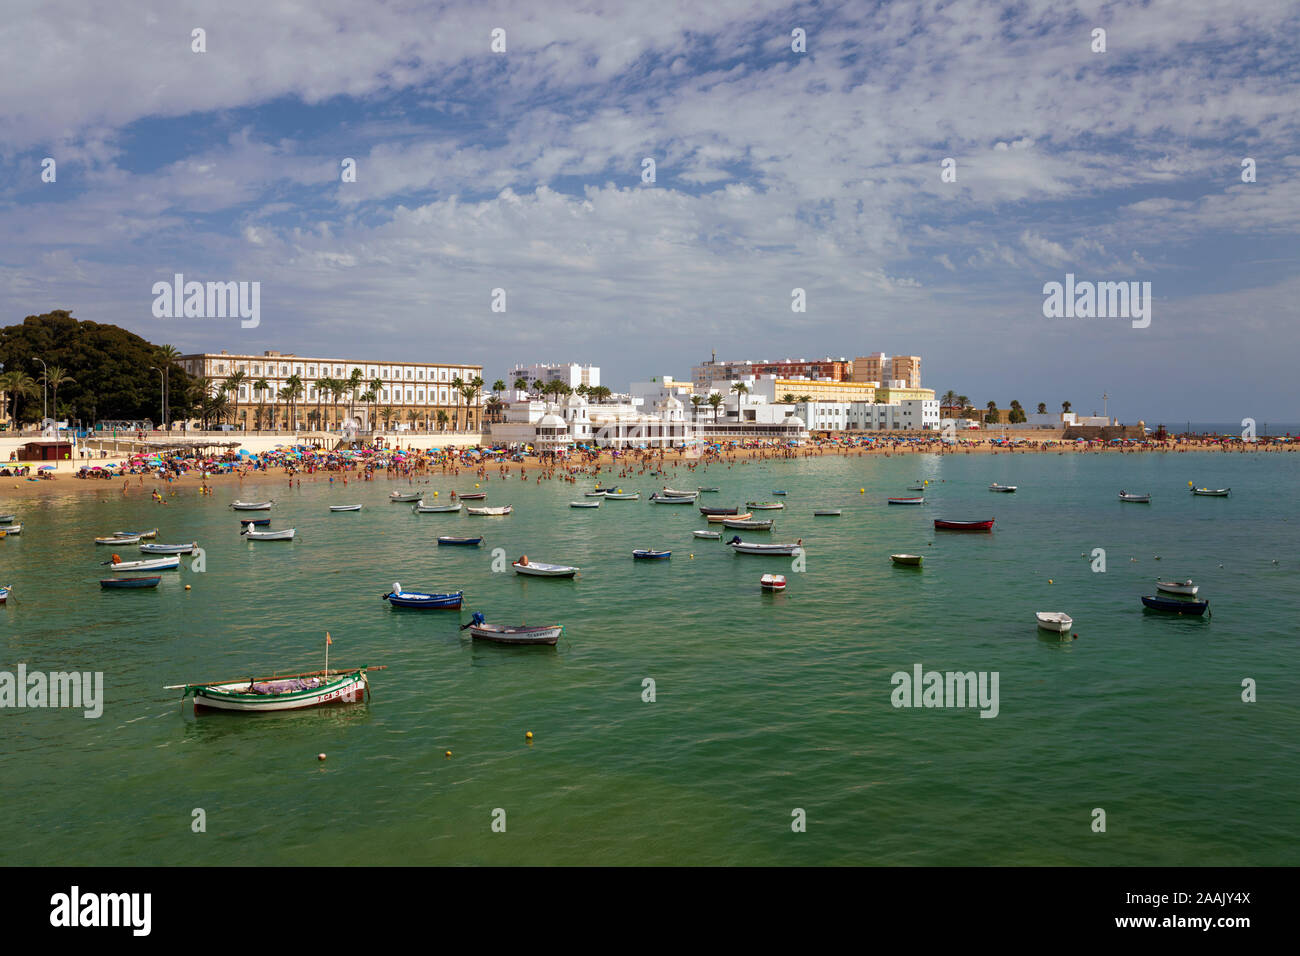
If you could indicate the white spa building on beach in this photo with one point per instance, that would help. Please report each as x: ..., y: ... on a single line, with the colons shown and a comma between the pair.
x: 658, y: 420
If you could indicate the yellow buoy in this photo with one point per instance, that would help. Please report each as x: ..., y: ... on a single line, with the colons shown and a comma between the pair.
x: 320, y: 756
x: 447, y: 754
x: 529, y: 735
x: 862, y: 491
x: 435, y: 494
x: 187, y: 587
x: 476, y: 484
x: 1050, y: 581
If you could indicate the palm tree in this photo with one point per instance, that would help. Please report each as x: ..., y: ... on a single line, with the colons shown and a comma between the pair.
x: 456, y: 384
x: 260, y: 388
x: 376, y: 386
x: 949, y: 399
x: 740, y: 388
x: 715, y: 399
x: 537, y: 387
x: 787, y: 398
x: 805, y: 398
x: 469, y: 391
x: 1065, y: 407
x: 521, y: 384
x: 55, y: 377
x: 965, y: 404
x: 1042, y: 408
x: 166, y: 356
x: 233, y: 381
x: 353, y: 387
x: 696, y: 402
x: 15, y: 385
x: 992, y: 415
x: 442, y: 419
x: 294, y: 384
x: 319, y: 387
x: 387, y: 413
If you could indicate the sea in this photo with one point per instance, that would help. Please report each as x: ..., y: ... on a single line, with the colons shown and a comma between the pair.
x: 686, y: 716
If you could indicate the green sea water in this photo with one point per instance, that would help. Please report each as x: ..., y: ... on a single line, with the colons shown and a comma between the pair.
x: 764, y: 703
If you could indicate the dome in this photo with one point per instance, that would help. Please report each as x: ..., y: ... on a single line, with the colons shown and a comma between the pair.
x: 552, y: 421
x: 575, y: 400
x: 673, y: 403
x: 795, y: 420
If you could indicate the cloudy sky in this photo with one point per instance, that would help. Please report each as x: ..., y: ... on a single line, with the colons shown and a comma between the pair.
x: 774, y: 170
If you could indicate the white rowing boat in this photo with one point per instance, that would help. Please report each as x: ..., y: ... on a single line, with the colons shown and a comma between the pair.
x: 1178, y: 587
x: 345, y: 507
x: 491, y: 512
x: 119, y: 539
x: 541, y: 569
x: 712, y: 535
x: 585, y: 504
x: 154, y: 564
x: 283, y: 535
x: 169, y: 548
x: 1141, y: 499
x: 400, y: 496
x: 422, y: 509
x: 1056, y: 621
x: 251, y: 505
x: 1005, y: 489
x: 751, y: 547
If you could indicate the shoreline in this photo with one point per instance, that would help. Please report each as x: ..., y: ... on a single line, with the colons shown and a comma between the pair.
x: 573, y: 470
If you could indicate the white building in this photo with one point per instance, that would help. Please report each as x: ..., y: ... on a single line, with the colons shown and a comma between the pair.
x: 571, y: 374
x: 907, y: 415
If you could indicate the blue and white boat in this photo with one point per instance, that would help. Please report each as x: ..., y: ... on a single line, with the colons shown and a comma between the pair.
x: 647, y: 555
x: 467, y: 542
x: 109, y: 583
x: 1175, y: 605
x: 424, y: 600
x: 169, y: 548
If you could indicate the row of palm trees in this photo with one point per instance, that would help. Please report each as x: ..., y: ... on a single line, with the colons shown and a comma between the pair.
x: 18, y: 384
x: 951, y: 400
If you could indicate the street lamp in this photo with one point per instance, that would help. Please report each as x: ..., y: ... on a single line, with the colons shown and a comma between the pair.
x: 45, y: 391
x: 162, y: 388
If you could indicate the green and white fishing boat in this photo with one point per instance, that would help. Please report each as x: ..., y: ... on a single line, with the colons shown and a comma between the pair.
x: 288, y: 692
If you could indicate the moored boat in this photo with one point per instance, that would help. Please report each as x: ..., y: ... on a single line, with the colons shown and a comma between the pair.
x: 1175, y: 605
x: 119, y: 539
x: 254, y: 521
x: 941, y: 524
x: 252, y: 505
x: 169, y: 548
x: 1186, y: 588
x: 778, y: 492
x: 541, y: 569
x: 623, y: 496
x: 397, y: 497
x: 424, y: 600
x: 918, y: 500
x: 285, y: 534
x: 1005, y: 489
x: 291, y: 692
x: 338, y: 508
x: 143, y: 535
x: 719, y: 511
x: 772, y: 582
x: 703, y: 489
x: 743, y: 524
x: 480, y: 630
x: 472, y: 496
x: 5, y: 592
x: 719, y: 519
x: 907, y: 560
x: 827, y: 513
x: 1057, y: 621
x: 764, y: 505
x: 111, y: 583
x: 491, y: 512
x: 595, y: 494
x: 11, y: 529
x: 422, y: 509
x: 585, y: 504
x: 658, y: 499
x: 1212, y: 492
x: 153, y: 564
x: 752, y: 547
x: 447, y: 539
x: 712, y: 535
x: 1141, y: 499
x: 8, y: 519
x: 647, y: 555
x: 672, y: 493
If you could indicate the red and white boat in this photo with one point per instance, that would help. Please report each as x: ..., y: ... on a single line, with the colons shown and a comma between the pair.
x: 918, y: 500
x: 772, y: 582
x: 292, y: 692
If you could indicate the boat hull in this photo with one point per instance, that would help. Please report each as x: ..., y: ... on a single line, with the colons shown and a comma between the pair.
x: 156, y: 564
x: 942, y: 525
x: 252, y: 505
x: 907, y: 560
x: 460, y: 542
x: 907, y: 501
x: 545, y: 570
x: 1173, y: 587
x: 1174, y: 606
x: 341, y: 508
x: 129, y: 583
x: 1058, y: 624
x: 651, y: 555
x: 742, y: 525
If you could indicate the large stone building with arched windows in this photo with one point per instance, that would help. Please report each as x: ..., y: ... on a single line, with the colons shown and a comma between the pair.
x: 421, y: 396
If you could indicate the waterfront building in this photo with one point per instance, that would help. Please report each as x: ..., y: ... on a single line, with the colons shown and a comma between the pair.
x: 901, y: 371
x: 570, y: 373
x: 405, y: 394
x: 906, y: 415
x: 829, y: 369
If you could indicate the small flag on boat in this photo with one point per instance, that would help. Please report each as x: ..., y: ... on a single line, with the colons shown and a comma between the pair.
x: 328, y: 639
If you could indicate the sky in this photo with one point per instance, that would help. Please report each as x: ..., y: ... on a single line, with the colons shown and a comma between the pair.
x: 780, y: 163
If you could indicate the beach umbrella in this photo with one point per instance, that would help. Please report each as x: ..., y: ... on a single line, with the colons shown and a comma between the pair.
x: 45, y: 468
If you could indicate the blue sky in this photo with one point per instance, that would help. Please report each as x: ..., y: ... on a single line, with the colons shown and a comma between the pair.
x: 775, y: 170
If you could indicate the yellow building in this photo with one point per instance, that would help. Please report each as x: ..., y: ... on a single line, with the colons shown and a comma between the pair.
x: 883, y: 369
x: 891, y: 396
x: 825, y: 391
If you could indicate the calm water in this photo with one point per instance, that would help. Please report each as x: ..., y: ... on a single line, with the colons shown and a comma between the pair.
x: 765, y: 703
